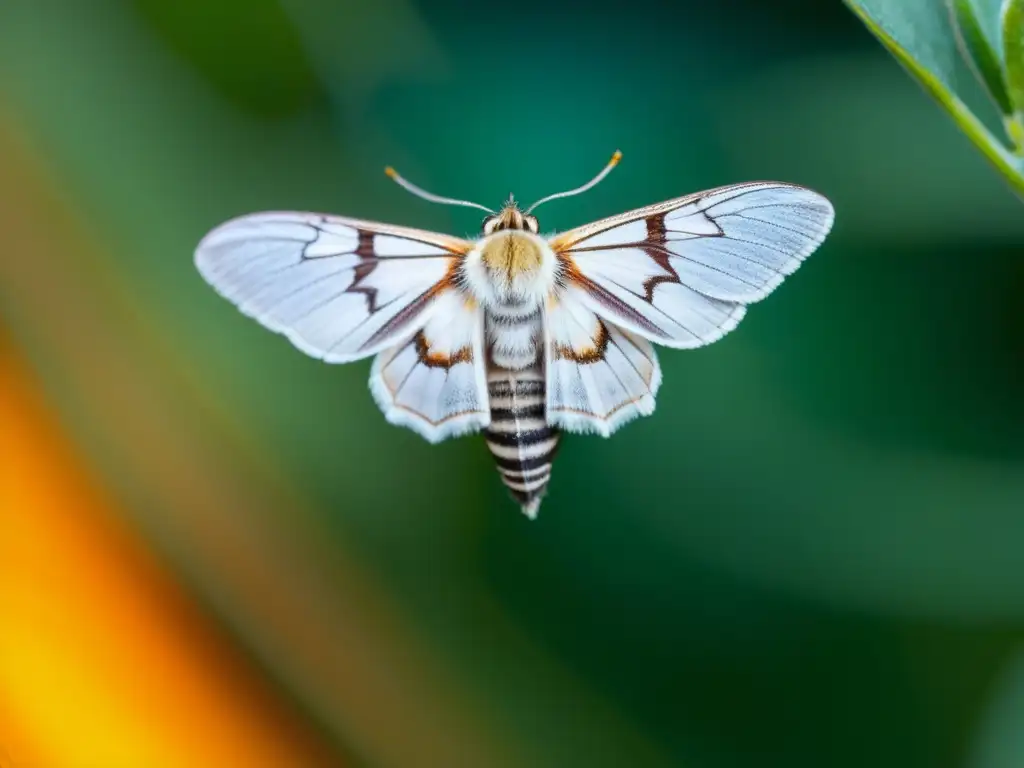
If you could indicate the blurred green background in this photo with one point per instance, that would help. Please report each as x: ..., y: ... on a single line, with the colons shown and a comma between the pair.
x: 810, y: 555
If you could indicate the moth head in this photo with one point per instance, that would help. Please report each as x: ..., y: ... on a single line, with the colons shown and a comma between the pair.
x: 510, y: 217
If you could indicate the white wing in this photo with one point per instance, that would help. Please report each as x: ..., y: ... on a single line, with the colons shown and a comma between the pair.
x: 435, y: 383
x: 681, y: 272
x: 339, y: 289
x: 343, y: 289
x: 599, y: 376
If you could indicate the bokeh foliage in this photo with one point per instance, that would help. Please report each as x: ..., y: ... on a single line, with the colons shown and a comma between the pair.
x: 809, y: 555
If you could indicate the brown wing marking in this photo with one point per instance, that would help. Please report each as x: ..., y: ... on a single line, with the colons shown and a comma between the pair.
x: 369, y: 260
x: 440, y: 359
x: 590, y: 354
x: 654, y: 246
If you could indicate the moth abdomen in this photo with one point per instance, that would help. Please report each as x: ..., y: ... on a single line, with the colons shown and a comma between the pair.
x: 520, y: 439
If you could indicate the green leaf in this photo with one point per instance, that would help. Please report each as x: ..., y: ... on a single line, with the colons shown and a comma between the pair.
x: 987, y: 12
x: 978, y: 51
x: 924, y: 42
x: 1013, y: 51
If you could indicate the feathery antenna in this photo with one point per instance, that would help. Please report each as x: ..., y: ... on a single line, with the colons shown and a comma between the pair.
x: 593, y: 182
x: 428, y: 196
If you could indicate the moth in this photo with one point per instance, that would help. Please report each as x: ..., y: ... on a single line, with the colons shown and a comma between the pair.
x: 517, y: 334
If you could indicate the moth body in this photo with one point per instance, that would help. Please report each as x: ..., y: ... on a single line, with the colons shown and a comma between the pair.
x: 514, y: 340
x: 519, y: 437
x: 511, y: 271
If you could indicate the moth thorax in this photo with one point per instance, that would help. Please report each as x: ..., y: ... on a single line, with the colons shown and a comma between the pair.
x: 512, y: 256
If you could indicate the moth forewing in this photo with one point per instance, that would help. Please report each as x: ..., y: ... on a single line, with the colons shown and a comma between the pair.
x: 340, y: 289
x: 681, y: 273
x: 574, y: 238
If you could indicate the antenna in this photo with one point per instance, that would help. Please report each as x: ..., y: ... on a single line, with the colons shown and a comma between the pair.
x: 428, y: 196
x: 593, y: 182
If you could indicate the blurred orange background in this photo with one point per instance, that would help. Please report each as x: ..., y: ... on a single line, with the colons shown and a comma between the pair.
x: 103, y: 660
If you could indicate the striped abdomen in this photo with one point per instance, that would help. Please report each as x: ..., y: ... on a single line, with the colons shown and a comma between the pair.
x: 519, y: 437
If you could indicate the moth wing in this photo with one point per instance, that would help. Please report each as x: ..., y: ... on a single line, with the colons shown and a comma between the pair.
x: 340, y: 289
x: 599, y: 376
x: 681, y: 272
x: 436, y: 382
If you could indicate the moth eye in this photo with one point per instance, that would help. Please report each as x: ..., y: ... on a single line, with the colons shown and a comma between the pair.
x: 490, y: 224
x: 531, y: 223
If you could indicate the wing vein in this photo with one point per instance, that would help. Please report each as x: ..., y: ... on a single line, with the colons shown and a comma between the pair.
x: 748, y: 190
x: 279, y: 300
x: 658, y: 309
x: 628, y: 360
x: 773, y: 224
x: 673, y: 255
